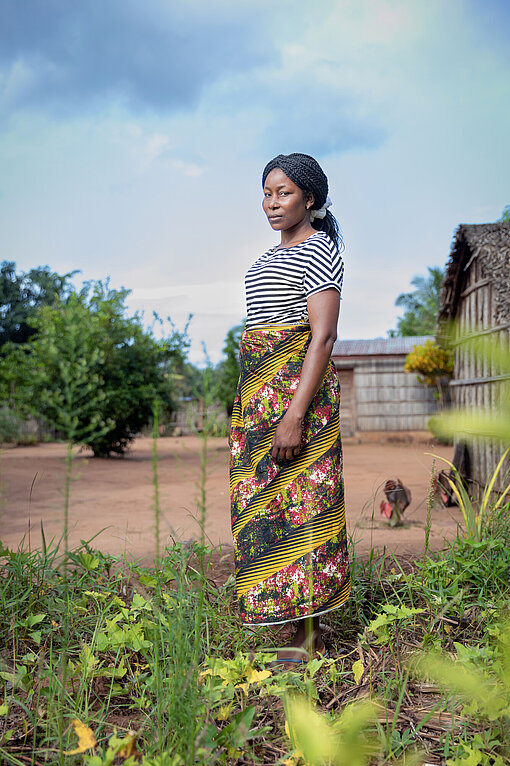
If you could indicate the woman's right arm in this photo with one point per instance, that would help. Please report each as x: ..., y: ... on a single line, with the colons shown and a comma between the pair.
x: 323, y: 309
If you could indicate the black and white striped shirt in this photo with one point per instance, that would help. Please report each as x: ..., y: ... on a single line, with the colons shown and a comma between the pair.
x: 280, y: 281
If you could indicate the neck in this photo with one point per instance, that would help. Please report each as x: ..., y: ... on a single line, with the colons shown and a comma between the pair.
x: 296, y: 234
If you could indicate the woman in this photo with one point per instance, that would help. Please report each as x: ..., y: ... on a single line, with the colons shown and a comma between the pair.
x: 288, y: 517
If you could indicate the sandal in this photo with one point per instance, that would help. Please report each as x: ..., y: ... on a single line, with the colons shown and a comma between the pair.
x: 301, y: 661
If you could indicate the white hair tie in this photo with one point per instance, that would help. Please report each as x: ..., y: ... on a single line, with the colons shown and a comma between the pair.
x: 321, y: 212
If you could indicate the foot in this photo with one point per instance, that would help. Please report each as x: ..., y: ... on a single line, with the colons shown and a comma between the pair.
x: 305, y: 644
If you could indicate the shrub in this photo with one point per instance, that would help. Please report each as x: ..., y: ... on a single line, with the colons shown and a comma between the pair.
x: 10, y: 425
x: 433, y: 364
x: 88, y: 359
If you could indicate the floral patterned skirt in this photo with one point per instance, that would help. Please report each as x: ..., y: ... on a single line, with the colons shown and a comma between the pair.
x: 288, y: 518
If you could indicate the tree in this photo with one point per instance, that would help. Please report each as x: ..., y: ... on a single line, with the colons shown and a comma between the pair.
x: 421, y: 305
x: 127, y: 367
x: 228, y: 370
x: 22, y: 294
x: 138, y: 368
x: 505, y: 215
x: 60, y: 370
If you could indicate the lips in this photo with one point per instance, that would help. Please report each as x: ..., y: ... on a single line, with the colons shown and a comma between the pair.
x: 274, y: 217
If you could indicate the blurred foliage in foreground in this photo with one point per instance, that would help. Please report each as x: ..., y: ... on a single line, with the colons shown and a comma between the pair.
x: 475, y: 423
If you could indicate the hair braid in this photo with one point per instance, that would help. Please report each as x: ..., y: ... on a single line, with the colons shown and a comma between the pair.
x: 306, y: 173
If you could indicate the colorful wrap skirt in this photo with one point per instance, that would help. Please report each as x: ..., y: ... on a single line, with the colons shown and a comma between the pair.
x: 288, y: 517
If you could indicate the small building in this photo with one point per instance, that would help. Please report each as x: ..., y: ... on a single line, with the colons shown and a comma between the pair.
x: 377, y: 394
x: 476, y: 296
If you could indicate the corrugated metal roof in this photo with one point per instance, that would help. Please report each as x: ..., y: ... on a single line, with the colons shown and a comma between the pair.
x: 379, y: 346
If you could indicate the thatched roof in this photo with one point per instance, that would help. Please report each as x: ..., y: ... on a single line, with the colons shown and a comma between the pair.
x: 490, y: 243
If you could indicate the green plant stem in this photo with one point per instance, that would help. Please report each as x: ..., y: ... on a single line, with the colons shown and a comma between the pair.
x: 155, y: 481
x: 430, y: 504
x: 66, y: 616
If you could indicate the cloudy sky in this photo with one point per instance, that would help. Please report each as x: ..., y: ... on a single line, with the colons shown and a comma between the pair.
x: 133, y: 135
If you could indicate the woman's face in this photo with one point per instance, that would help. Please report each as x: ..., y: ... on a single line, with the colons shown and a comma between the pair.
x: 284, y: 203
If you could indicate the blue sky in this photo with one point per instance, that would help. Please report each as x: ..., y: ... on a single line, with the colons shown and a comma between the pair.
x: 133, y: 136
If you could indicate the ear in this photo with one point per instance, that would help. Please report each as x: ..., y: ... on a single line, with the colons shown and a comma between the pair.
x: 309, y: 200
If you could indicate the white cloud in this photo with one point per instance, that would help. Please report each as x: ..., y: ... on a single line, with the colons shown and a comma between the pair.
x: 405, y: 103
x: 214, y: 297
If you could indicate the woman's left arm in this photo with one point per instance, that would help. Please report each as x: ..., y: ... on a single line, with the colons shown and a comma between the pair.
x: 323, y: 310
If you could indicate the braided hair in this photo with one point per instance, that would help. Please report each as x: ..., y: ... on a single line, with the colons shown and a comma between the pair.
x: 306, y: 173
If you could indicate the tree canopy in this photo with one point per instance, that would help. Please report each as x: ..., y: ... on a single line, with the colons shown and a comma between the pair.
x: 91, y: 371
x: 78, y: 363
x: 228, y: 370
x: 421, y: 305
x: 22, y: 294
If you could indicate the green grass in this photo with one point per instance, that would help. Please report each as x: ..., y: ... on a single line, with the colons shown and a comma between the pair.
x: 106, y: 661
x: 159, y: 651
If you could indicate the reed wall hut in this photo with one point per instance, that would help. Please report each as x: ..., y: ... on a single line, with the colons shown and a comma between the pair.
x: 377, y: 394
x: 476, y: 295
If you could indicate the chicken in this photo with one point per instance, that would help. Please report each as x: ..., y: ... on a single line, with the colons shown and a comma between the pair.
x: 397, y: 500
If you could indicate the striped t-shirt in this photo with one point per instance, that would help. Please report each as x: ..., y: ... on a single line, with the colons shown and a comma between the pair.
x: 280, y: 281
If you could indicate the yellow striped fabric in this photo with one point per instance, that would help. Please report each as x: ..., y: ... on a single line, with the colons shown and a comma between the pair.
x: 303, y: 540
x: 338, y: 599
x: 266, y: 371
x: 268, y: 368
x: 256, y: 455
x: 314, y: 449
x: 270, y: 498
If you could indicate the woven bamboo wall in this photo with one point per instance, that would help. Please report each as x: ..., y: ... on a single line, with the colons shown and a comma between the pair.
x: 476, y: 295
x: 389, y: 399
x: 377, y: 395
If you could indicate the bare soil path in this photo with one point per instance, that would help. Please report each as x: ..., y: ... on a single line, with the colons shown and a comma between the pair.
x: 113, y: 498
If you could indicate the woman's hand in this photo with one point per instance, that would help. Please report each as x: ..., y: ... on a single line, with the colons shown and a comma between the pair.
x: 286, y: 442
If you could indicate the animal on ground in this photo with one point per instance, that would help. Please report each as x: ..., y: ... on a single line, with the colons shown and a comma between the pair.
x: 398, y: 498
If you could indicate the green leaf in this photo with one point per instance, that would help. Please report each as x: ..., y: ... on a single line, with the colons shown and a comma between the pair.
x: 358, y: 669
x: 34, y: 619
x: 139, y: 602
x: 315, y: 664
x: 403, y: 612
x: 110, y: 672
x: 88, y: 561
x: 148, y: 580
x: 381, y: 621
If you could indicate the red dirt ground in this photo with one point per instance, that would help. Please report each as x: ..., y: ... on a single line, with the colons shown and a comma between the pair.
x: 113, y: 498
